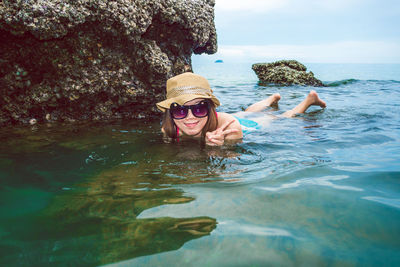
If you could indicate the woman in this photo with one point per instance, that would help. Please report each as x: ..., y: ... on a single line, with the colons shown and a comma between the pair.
x: 190, y: 110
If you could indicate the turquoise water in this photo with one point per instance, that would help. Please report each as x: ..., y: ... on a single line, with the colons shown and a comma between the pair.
x: 319, y: 189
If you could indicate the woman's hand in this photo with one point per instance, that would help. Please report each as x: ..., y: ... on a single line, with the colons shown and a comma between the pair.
x: 217, y: 137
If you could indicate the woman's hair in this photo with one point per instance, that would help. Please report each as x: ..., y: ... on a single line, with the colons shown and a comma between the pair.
x: 169, y: 126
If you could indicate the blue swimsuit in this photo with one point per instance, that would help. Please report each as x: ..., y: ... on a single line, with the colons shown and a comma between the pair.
x: 248, y: 125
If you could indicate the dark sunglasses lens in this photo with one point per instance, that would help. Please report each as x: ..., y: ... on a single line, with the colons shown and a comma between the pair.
x: 200, y: 110
x: 179, y: 112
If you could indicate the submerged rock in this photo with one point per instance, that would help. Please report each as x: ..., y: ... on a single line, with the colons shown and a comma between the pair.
x: 95, y: 59
x: 285, y: 72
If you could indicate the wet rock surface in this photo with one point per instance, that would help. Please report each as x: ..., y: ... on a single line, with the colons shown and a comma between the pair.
x: 69, y: 60
x: 285, y: 72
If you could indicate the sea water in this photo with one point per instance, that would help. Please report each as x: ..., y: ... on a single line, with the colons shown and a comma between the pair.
x: 322, y: 188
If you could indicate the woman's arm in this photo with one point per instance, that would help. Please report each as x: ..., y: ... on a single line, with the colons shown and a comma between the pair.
x: 228, y: 129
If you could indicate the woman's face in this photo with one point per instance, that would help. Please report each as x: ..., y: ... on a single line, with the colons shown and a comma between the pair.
x: 192, y: 125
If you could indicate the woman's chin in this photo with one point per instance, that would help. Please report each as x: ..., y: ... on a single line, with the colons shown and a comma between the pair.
x: 193, y: 132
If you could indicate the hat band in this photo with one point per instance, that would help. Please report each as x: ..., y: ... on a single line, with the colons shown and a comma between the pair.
x: 187, y: 90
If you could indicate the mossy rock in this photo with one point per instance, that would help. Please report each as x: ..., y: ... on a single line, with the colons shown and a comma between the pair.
x: 285, y: 72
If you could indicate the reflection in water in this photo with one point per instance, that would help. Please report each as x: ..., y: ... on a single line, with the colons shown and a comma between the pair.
x: 96, y: 223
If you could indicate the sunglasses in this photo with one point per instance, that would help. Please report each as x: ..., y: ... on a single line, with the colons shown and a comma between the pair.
x: 199, y: 110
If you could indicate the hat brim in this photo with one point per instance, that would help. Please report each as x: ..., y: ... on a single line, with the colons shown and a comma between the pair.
x: 182, y: 99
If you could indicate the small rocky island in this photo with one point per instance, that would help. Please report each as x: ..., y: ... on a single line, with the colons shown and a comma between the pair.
x: 75, y: 60
x: 285, y: 72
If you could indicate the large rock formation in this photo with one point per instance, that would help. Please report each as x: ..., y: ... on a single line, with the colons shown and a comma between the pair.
x: 96, y: 59
x: 285, y: 72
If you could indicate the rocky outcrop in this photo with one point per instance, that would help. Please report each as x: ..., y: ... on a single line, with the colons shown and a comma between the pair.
x: 96, y: 59
x: 285, y: 72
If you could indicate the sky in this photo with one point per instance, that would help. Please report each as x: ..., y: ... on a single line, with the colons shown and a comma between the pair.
x: 310, y: 31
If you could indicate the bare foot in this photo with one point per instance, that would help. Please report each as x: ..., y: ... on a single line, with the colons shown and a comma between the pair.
x: 260, y: 106
x: 274, y: 99
x: 315, y: 100
x: 311, y: 100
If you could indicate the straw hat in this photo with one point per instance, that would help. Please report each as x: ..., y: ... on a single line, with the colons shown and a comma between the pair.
x: 186, y: 87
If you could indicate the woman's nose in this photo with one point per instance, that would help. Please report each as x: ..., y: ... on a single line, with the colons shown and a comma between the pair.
x: 190, y: 114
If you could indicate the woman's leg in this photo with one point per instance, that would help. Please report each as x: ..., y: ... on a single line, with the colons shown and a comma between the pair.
x: 260, y: 106
x: 311, y: 100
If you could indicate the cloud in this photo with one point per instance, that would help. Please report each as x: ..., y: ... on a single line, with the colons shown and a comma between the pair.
x: 288, y: 6
x: 329, y: 4
x: 320, y: 31
x: 257, y: 6
x: 339, y: 52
